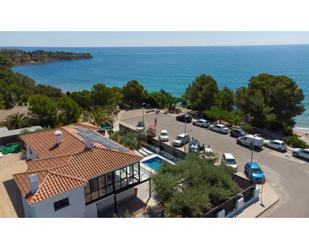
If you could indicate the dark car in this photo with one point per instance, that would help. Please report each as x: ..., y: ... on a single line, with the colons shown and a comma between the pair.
x: 184, y: 118
x: 237, y: 132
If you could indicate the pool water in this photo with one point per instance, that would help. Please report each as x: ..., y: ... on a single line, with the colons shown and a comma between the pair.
x: 153, y: 162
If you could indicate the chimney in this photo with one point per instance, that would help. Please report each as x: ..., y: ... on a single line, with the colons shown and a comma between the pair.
x: 34, y: 183
x: 58, y: 135
x: 89, y: 143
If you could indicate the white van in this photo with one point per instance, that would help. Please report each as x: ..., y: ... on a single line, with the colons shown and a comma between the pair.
x: 249, y: 140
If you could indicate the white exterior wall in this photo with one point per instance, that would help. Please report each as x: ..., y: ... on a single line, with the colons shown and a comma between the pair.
x: 92, y: 209
x: 46, y: 208
x: 28, y: 209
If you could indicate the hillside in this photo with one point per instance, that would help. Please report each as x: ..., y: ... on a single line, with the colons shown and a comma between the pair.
x: 19, y: 57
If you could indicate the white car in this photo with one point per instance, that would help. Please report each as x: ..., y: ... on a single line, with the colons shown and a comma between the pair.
x: 140, y: 126
x: 209, y: 154
x: 219, y: 128
x: 276, y: 145
x: 163, y: 136
x: 249, y: 140
x: 201, y: 123
x: 181, y: 139
x: 302, y: 153
x: 229, y: 160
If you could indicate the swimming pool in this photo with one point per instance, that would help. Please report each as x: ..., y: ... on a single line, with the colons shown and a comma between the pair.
x: 154, y: 162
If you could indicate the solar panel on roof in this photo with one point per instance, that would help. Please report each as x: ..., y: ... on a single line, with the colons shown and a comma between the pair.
x: 85, y: 133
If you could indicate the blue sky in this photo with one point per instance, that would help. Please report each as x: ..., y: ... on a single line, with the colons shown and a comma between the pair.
x: 116, y: 39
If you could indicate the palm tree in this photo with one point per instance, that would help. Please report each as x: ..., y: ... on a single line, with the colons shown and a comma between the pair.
x: 16, y: 121
x: 98, y: 116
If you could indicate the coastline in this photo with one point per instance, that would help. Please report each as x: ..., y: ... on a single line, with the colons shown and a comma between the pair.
x: 302, y: 133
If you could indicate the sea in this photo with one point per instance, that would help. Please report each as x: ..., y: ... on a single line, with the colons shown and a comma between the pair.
x: 174, y: 68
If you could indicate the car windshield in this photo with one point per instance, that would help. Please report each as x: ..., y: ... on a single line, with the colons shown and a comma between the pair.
x: 230, y: 161
x: 163, y: 133
x: 140, y: 124
x: 179, y: 137
x: 257, y: 171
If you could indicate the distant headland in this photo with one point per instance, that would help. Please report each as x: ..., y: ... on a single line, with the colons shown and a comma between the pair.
x: 19, y: 57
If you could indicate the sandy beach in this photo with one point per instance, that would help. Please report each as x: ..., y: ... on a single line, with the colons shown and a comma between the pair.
x: 303, y: 133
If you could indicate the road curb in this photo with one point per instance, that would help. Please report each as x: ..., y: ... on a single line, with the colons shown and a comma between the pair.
x: 268, y: 208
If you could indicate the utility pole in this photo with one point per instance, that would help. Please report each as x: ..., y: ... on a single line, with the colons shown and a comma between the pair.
x: 252, y: 149
x: 143, y: 114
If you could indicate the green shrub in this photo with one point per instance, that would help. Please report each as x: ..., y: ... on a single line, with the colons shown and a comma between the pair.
x: 215, y: 114
x: 295, y: 142
x: 248, y: 128
x: 127, y: 139
x: 193, y: 187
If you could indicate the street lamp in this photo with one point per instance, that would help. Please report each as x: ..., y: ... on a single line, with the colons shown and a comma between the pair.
x: 185, y: 130
x: 252, y: 148
x: 143, y: 114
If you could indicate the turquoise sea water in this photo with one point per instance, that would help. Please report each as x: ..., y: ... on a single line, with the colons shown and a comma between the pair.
x: 173, y: 68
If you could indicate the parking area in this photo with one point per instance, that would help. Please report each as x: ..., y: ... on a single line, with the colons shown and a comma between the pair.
x: 288, y: 175
x: 11, y: 203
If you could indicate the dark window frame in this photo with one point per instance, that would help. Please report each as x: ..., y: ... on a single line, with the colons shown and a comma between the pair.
x: 110, y: 182
x: 61, y: 204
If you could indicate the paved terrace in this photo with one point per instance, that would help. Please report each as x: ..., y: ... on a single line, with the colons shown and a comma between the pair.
x: 11, y: 202
x: 287, y: 175
x: 5, y: 113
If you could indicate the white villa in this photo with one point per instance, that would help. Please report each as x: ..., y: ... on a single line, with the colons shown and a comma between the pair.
x: 75, y: 172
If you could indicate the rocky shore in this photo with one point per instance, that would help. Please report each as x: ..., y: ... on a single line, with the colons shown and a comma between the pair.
x: 20, y: 57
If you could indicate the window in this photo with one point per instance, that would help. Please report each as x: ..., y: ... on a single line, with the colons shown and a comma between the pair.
x: 61, y: 204
x: 103, y: 185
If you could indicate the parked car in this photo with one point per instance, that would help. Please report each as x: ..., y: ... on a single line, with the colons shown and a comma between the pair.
x: 140, y: 126
x: 184, y: 118
x: 237, y: 132
x: 219, y: 128
x: 276, y: 145
x: 254, y: 173
x: 250, y: 140
x: 209, y: 154
x: 301, y: 153
x: 229, y: 160
x: 195, y: 146
x: 181, y: 139
x: 163, y: 136
x: 201, y: 123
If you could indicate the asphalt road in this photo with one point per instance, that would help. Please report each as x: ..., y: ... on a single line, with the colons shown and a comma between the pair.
x: 288, y: 175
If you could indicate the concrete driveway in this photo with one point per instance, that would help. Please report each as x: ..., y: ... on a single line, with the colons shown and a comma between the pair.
x: 288, y: 175
x: 11, y: 203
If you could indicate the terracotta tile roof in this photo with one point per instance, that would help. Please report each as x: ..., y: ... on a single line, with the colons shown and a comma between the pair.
x: 50, y: 184
x: 43, y: 143
x: 60, y: 174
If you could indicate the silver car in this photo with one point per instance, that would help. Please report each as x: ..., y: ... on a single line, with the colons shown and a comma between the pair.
x: 201, y: 123
x: 181, y: 139
x: 219, y: 128
x: 301, y: 153
x: 276, y: 145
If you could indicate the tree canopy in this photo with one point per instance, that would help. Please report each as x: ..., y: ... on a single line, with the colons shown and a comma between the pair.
x: 193, y: 187
x: 44, y: 109
x: 133, y: 93
x: 272, y: 101
x: 69, y: 110
x: 201, y: 93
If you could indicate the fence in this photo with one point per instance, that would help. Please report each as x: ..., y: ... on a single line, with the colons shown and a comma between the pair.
x: 237, y: 203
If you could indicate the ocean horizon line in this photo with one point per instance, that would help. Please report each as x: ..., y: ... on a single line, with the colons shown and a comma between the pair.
x: 164, y: 46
